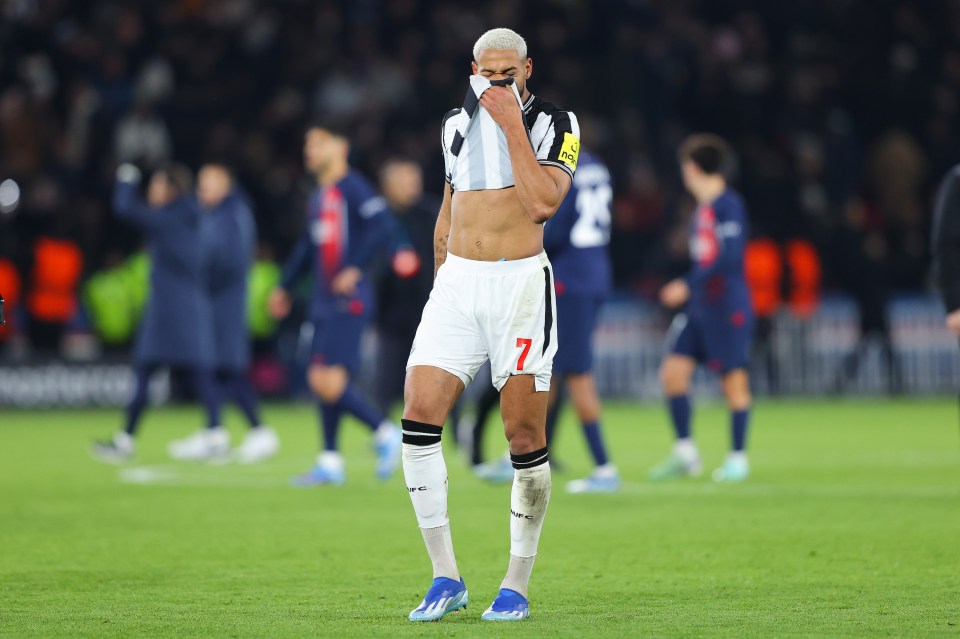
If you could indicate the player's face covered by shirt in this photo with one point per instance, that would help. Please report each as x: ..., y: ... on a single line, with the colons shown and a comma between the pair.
x: 502, y: 64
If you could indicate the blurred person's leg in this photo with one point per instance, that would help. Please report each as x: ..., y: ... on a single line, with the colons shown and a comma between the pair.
x: 488, y: 400
x: 261, y: 441
x: 730, y: 349
x: 142, y: 374
x: 236, y: 386
x: 336, y: 353
x: 576, y: 320
x: 214, y: 441
x: 736, y: 390
x: 120, y: 447
x: 686, y: 347
x: 558, y: 397
x: 586, y: 401
x: 391, y: 369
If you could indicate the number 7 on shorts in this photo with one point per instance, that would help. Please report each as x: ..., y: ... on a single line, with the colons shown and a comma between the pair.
x: 524, y: 343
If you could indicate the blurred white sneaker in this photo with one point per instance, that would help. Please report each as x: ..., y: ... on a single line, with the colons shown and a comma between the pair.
x: 604, y: 479
x: 116, y: 450
x: 259, y: 444
x: 209, y: 443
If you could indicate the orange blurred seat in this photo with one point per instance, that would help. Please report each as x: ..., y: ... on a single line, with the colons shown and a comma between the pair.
x: 57, y: 266
x: 10, y: 289
x: 763, y: 268
x: 805, y: 274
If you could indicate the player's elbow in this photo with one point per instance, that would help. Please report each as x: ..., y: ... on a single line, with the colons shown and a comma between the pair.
x: 540, y: 214
x: 542, y: 210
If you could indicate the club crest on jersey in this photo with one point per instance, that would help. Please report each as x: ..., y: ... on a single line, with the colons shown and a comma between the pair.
x: 570, y: 150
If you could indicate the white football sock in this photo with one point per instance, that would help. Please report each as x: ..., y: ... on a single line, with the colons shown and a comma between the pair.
x: 518, y: 574
x: 426, y: 475
x: 528, y: 507
x: 440, y: 548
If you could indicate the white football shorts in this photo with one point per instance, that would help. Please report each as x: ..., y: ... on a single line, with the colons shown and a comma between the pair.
x: 502, y: 311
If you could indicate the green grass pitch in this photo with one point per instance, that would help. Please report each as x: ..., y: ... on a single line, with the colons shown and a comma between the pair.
x: 848, y: 527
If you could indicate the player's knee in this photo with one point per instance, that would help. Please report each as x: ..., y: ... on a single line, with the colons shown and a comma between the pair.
x: 736, y: 389
x: 326, y: 382
x: 673, y: 380
x: 524, y: 436
x: 739, y: 399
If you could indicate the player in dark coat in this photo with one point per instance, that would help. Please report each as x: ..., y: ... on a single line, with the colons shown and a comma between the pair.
x: 230, y: 238
x: 177, y: 328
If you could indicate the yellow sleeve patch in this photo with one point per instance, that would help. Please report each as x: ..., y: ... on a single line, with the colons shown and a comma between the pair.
x: 570, y: 150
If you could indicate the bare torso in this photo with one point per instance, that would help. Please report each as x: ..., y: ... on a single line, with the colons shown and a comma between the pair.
x: 492, y: 224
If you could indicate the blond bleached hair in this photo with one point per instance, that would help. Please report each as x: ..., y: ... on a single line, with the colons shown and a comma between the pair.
x: 496, y: 39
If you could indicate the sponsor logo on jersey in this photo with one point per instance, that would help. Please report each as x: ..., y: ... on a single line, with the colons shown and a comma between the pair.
x: 570, y: 150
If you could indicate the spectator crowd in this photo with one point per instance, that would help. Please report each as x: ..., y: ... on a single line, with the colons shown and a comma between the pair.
x: 844, y: 114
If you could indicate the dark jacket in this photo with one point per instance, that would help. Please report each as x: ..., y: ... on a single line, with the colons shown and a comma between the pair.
x: 177, y: 326
x: 230, y: 238
x: 401, y: 300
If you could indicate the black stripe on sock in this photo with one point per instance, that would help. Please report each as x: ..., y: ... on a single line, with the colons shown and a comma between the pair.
x: 420, y: 434
x: 548, y: 315
x: 530, y: 460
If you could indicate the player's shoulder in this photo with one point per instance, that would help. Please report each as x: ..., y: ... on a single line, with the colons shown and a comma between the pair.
x: 360, y: 193
x: 450, y: 119
x: 540, y: 110
x: 537, y: 105
x: 731, y: 202
x: 450, y: 114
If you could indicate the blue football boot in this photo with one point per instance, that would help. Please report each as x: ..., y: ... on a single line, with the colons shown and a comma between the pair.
x: 509, y: 605
x: 445, y: 595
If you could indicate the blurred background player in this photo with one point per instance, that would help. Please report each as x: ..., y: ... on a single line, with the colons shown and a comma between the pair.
x: 576, y: 240
x: 348, y: 228
x: 177, y: 328
x: 230, y: 236
x: 403, y: 289
x: 716, y: 322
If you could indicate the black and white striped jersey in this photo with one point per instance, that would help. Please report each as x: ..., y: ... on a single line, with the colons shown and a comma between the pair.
x: 554, y: 135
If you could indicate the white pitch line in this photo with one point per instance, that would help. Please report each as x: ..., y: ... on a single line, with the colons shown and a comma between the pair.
x: 170, y: 475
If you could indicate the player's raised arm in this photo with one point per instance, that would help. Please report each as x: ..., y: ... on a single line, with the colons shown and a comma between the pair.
x: 127, y: 203
x: 441, y: 232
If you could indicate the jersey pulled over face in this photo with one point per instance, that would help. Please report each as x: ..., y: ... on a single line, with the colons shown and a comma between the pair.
x: 482, y: 160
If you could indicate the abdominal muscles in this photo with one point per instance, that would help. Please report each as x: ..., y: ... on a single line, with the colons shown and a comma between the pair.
x: 490, y: 225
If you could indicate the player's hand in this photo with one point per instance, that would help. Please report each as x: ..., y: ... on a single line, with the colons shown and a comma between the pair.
x: 953, y: 322
x: 675, y: 294
x: 502, y: 105
x: 128, y: 173
x: 405, y: 263
x: 278, y: 304
x: 345, y: 283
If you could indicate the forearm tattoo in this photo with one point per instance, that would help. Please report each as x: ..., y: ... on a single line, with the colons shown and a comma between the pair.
x: 439, y: 253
